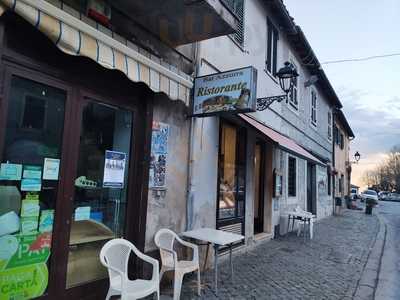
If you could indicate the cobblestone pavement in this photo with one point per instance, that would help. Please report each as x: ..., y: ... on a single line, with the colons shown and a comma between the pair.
x: 328, y: 267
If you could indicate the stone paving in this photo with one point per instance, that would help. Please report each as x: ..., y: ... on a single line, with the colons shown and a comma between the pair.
x: 328, y: 267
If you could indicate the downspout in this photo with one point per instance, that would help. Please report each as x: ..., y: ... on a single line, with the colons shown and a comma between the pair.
x: 190, y: 186
x: 334, y: 113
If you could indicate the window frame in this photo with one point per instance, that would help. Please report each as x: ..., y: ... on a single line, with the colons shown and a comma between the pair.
x: 341, y: 141
x: 271, y: 55
x: 232, y: 6
x: 330, y: 126
x: 314, y: 107
x: 289, y: 194
x: 292, y: 104
x: 240, y: 172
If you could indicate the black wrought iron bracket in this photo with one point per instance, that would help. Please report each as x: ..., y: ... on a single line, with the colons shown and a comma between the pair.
x: 264, y: 103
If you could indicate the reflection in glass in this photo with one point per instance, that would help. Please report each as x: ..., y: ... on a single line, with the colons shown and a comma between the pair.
x: 33, y: 135
x: 99, y: 212
x: 232, y: 179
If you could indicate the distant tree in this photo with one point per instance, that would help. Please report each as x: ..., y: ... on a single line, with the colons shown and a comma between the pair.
x: 386, y: 176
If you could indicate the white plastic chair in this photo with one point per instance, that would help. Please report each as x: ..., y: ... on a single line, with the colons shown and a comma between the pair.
x: 164, y: 240
x: 115, y: 256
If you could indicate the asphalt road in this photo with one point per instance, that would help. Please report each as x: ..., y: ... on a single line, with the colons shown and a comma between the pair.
x: 389, y: 277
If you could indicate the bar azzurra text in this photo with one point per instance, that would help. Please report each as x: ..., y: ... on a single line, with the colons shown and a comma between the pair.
x: 233, y: 91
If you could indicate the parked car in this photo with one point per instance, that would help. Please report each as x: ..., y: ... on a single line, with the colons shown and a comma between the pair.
x: 393, y: 197
x: 369, y: 194
x: 354, y: 194
x: 382, y: 195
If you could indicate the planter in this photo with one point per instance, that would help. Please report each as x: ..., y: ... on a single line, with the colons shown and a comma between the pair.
x: 368, y: 209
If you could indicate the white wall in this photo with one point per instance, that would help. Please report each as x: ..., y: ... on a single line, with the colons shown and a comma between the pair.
x: 222, y: 54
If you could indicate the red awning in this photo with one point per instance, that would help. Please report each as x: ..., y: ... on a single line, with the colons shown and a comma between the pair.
x: 284, y: 142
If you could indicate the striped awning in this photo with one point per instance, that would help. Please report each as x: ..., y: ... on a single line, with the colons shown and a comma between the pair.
x: 76, y: 37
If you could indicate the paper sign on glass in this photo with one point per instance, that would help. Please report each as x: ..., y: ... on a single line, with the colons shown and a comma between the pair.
x: 51, y: 168
x: 10, y: 172
x: 32, y: 172
x: 82, y: 213
x: 31, y: 185
x: 114, y: 169
x: 30, y: 208
x: 46, y: 220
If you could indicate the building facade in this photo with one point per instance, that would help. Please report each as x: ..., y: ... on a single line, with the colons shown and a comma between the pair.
x: 90, y: 93
x: 343, y: 135
x: 237, y: 181
x: 98, y: 141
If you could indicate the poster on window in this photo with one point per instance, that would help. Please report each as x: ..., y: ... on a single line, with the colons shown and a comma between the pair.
x: 114, y: 169
x: 322, y: 182
x: 159, y: 154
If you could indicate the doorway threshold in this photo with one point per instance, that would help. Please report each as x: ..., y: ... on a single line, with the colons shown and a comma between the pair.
x: 262, y: 236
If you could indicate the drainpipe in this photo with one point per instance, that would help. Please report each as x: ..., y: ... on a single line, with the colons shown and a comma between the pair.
x: 190, y: 186
x: 334, y: 113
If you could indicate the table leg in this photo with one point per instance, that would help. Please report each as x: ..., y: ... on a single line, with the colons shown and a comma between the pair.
x: 288, y: 225
x: 230, y: 258
x: 304, y: 229
x: 205, y: 262
x: 216, y: 269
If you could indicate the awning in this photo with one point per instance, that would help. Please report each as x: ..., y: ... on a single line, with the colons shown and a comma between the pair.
x: 284, y: 142
x: 75, y: 37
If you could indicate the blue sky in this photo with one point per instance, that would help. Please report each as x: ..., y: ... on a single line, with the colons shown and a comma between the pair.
x: 369, y: 90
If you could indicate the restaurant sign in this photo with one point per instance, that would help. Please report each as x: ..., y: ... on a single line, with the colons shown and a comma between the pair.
x: 233, y: 91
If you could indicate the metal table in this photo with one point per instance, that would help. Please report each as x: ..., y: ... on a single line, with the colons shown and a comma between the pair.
x: 303, y: 216
x: 216, y: 238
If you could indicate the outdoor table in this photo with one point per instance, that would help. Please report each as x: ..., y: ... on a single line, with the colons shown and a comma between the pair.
x: 217, y: 238
x: 299, y: 215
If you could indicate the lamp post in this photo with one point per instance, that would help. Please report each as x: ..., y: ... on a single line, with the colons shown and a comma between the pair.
x: 286, y: 76
x: 357, y: 156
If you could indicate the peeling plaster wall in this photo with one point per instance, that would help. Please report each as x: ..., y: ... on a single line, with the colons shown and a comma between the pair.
x: 169, y: 210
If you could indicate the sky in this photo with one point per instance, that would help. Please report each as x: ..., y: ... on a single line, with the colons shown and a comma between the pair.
x: 368, y: 90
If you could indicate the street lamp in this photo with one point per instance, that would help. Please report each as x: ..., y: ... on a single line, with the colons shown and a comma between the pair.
x: 357, y: 157
x: 286, y: 76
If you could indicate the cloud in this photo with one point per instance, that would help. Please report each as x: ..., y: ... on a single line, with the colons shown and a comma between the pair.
x: 376, y: 124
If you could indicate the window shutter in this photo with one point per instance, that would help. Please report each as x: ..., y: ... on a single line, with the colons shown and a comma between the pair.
x: 239, y: 10
x: 237, y: 7
x: 275, y: 53
x: 269, y: 47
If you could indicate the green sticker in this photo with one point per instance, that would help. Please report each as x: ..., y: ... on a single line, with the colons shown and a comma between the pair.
x: 25, y: 282
x: 33, y: 249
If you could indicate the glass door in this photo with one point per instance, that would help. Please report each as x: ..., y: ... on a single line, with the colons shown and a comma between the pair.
x: 31, y: 139
x: 259, y: 170
x: 100, y: 184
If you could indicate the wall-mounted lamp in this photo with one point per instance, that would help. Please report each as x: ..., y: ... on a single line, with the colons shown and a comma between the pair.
x: 286, y: 76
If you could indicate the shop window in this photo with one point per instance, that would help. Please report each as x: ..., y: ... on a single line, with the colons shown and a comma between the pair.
x: 29, y: 180
x: 271, y: 60
x: 292, y: 177
x: 101, y: 185
x: 232, y: 157
x: 34, y: 113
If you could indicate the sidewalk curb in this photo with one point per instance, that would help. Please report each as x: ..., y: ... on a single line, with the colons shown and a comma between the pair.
x: 368, y: 282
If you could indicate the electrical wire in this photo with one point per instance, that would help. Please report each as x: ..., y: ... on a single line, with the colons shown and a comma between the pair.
x: 359, y: 59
